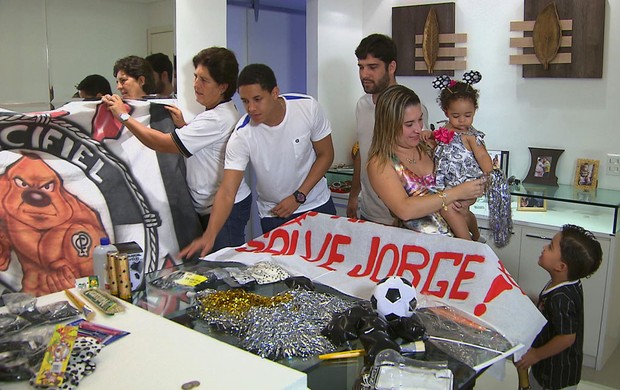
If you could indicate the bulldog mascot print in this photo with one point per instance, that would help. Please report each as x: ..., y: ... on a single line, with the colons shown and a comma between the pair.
x: 71, y: 176
x: 51, y: 230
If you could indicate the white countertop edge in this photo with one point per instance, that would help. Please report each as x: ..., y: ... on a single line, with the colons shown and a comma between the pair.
x: 161, y: 354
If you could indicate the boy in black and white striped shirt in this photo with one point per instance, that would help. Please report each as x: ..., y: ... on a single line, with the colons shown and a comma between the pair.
x: 557, y: 352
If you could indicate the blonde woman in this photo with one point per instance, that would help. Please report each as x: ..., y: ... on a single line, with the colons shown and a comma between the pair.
x: 401, y: 168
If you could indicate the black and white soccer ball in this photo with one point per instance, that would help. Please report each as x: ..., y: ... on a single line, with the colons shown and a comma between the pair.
x: 394, y: 297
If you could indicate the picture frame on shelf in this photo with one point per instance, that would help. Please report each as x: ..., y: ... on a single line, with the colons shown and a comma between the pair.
x: 586, y: 174
x: 542, y: 166
x: 499, y: 158
x: 529, y: 203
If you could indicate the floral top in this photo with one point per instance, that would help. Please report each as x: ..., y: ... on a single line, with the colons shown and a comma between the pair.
x: 420, y: 186
x: 454, y: 163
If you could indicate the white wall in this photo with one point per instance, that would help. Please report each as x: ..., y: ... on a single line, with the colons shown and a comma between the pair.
x: 24, y: 58
x: 334, y: 31
x: 87, y: 37
x: 82, y: 37
x: 161, y: 13
x: 576, y: 115
x: 199, y: 24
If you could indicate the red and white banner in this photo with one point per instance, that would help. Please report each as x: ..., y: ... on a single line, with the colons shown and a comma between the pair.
x: 352, y: 256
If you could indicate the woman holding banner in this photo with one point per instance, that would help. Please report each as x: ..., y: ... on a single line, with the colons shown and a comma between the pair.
x: 401, y: 168
x: 203, y: 140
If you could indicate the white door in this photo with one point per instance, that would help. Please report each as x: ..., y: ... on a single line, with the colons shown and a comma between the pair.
x: 161, y: 40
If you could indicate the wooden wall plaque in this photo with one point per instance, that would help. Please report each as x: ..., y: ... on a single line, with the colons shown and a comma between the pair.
x: 409, y: 21
x: 588, y: 30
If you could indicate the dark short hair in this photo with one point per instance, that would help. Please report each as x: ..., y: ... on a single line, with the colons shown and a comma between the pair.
x: 135, y: 67
x: 94, y: 84
x: 160, y: 63
x: 379, y: 46
x: 222, y: 65
x: 580, y: 251
x: 259, y: 74
x: 459, y: 90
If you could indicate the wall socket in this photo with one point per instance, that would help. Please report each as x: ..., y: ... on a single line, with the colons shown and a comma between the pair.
x: 613, y: 164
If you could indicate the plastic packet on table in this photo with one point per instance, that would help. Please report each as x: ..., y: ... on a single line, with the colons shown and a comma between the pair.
x: 28, y: 315
x: 10, y: 323
x: 23, y: 352
x: 391, y: 370
x: 19, y: 302
x: 103, y: 334
x: 187, y: 279
x: 462, y: 336
x: 263, y: 272
x: 58, y: 311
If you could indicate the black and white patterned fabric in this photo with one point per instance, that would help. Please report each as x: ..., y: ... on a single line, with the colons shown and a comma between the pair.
x: 472, y: 77
x: 80, y: 363
x: 441, y: 82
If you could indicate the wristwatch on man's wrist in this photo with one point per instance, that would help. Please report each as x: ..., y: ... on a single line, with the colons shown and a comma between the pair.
x: 300, y: 197
x: 124, y: 117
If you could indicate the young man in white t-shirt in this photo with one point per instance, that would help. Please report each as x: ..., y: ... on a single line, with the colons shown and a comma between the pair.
x: 287, y: 139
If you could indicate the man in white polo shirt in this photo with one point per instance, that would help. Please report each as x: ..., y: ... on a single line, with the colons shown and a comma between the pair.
x: 287, y: 139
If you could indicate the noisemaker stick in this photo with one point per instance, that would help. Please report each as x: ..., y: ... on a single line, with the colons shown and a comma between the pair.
x: 87, y: 311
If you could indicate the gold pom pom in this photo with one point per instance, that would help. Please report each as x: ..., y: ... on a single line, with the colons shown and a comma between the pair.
x: 237, y: 302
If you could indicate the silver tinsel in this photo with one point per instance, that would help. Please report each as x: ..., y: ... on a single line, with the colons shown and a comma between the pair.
x: 291, y: 328
x: 500, y: 214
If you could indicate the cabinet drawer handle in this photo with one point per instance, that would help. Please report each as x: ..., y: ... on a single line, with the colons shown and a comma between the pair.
x: 539, y: 237
x: 486, y: 228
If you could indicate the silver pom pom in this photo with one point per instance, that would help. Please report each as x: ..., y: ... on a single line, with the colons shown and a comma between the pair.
x: 500, y: 214
x: 288, y: 327
x: 292, y: 328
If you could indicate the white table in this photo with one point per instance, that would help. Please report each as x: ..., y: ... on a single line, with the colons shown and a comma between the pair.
x: 161, y: 354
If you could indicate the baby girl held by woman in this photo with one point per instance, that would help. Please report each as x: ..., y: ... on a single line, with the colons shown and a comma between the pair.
x: 460, y: 153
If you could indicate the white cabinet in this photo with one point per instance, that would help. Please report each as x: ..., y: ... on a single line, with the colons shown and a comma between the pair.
x: 508, y: 255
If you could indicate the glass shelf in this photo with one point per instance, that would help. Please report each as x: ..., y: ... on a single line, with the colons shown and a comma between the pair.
x: 345, y: 170
x: 601, y: 198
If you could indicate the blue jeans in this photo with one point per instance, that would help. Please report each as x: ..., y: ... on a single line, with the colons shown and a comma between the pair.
x: 233, y: 231
x: 270, y: 223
